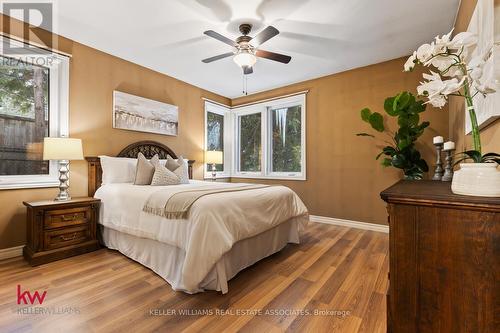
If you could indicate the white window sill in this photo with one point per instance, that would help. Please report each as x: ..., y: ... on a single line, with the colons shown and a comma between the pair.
x: 276, y: 177
x: 218, y: 176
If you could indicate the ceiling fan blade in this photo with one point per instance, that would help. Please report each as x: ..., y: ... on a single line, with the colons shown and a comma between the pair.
x: 264, y: 36
x: 273, y: 56
x: 247, y: 70
x: 218, y: 57
x: 218, y: 36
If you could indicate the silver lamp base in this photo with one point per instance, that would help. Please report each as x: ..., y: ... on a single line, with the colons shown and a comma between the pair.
x: 63, y: 182
x: 214, y: 173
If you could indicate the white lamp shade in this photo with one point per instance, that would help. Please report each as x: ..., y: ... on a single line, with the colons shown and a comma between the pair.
x: 62, y: 149
x: 213, y: 157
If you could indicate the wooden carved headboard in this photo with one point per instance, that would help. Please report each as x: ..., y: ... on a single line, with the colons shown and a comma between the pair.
x: 148, y: 148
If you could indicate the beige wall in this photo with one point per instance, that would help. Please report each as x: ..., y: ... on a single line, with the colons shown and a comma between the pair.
x: 343, y: 178
x: 93, y: 77
x: 490, y: 136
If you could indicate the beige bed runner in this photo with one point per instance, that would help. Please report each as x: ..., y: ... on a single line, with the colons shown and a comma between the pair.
x: 177, y: 205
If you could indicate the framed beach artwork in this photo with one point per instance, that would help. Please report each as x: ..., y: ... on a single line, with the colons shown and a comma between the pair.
x: 141, y: 114
x: 485, y: 22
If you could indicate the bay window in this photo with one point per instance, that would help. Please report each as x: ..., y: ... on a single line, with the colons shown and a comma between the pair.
x: 262, y: 140
x: 270, y: 139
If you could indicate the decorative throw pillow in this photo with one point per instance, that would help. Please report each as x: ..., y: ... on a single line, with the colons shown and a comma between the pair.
x: 182, y: 171
x: 145, y: 169
x: 163, y: 176
x: 172, y: 164
x: 179, y: 167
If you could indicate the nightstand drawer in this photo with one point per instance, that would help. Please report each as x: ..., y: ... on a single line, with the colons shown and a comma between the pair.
x: 58, y: 238
x: 66, y: 217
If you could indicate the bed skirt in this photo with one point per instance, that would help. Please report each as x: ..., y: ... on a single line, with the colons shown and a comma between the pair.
x: 167, y: 260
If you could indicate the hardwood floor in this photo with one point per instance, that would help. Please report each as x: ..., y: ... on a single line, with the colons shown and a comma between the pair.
x: 296, y: 290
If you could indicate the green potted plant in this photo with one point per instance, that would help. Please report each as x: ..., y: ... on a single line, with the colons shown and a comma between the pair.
x: 400, y: 152
x: 456, y: 73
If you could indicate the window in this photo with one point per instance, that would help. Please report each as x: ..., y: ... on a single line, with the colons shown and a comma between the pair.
x: 217, y: 137
x: 270, y: 139
x: 33, y: 105
x: 249, y: 129
x: 286, y: 145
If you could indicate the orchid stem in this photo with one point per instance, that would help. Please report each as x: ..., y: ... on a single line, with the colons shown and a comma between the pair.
x: 476, y: 139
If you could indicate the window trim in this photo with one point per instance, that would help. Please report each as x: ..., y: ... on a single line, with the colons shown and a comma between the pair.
x: 223, y: 111
x: 266, y: 149
x: 58, y: 115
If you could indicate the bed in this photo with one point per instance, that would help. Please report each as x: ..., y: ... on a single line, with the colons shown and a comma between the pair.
x: 223, y: 233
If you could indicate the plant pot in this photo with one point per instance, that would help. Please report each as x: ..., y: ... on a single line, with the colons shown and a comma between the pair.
x: 477, y: 179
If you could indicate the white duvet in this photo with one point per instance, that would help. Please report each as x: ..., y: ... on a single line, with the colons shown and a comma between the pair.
x: 215, y: 222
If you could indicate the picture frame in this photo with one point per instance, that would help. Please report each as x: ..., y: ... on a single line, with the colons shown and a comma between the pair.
x: 135, y: 113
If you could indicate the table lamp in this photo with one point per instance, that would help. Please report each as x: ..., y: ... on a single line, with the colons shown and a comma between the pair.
x: 213, y: 157
x: 62, y: 150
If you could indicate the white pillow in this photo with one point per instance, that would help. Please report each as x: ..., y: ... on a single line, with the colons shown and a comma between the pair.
x: 117, y: 169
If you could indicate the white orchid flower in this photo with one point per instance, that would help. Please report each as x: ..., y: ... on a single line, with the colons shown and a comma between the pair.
x: 454, y: 71
x: 452, y: 86
x: 433, y: 86
x: 442, y: 63
x: 410, y: 63
x: 437, y: 90
x: 450, y: 58
x: 425, y: 52
x: 437, y: 101
x: 443, y: 42
x: 433, y: 76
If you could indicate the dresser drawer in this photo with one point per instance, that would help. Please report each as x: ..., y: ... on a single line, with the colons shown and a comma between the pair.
x: 67, y: 217
x: 57, y: 238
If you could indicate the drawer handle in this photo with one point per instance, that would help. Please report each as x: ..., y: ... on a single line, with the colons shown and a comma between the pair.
x: 69, y: 218
x: 68, y: 238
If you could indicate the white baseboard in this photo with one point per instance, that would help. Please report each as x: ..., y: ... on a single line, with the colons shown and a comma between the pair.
x: 349, y: 223
x: 11, y: 252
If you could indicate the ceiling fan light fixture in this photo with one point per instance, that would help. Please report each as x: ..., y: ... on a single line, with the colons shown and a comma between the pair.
x: 245, y: 59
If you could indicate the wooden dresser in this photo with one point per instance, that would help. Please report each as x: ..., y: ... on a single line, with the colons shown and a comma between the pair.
x: 60, y: 229
x: 444, y: 260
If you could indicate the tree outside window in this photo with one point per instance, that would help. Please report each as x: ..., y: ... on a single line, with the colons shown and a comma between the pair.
x: 24, y: 117
x: 215, y: 136
x: 250, y: 142
x: 286, y: 127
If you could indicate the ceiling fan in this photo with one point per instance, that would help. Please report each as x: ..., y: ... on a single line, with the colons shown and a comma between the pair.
x: 246, y: 48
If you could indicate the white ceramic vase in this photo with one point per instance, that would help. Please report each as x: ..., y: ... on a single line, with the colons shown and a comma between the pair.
x: 477, y: 179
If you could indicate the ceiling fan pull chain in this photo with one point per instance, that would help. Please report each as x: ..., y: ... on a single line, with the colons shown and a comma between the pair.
x: 246, y: 84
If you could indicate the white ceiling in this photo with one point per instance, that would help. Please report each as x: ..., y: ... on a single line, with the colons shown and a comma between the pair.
x: 322, y: 36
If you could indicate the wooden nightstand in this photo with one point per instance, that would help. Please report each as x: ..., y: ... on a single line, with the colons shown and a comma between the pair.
x: 60, y: 229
